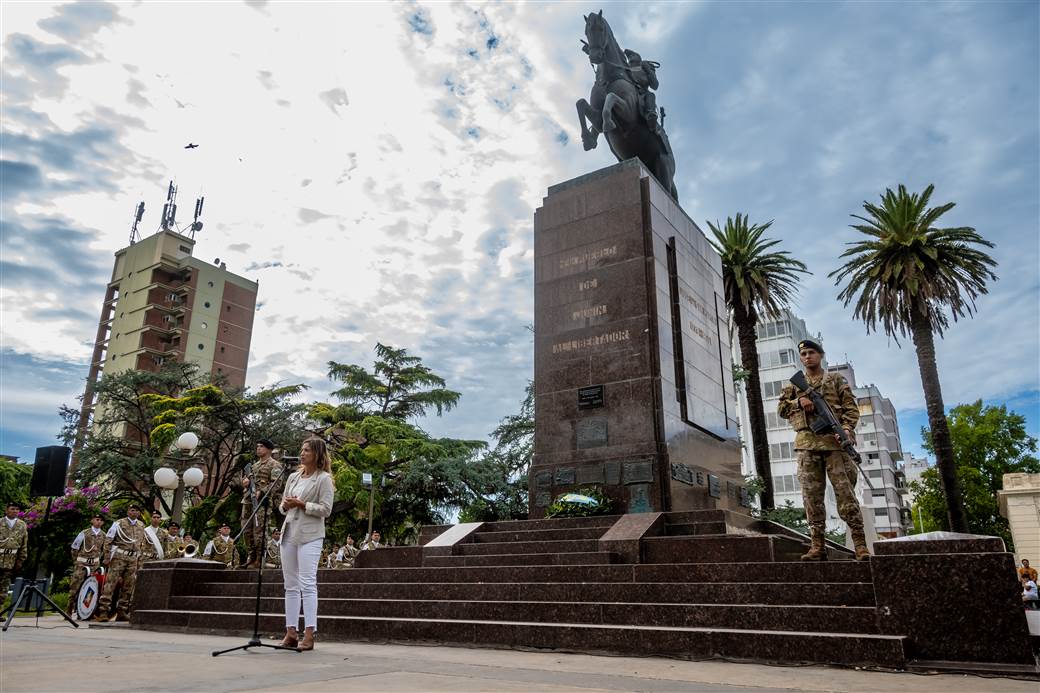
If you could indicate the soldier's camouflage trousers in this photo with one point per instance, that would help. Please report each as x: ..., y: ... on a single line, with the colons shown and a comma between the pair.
x: 7, y: 576
x: 119, y: 567
x: 813, y: 477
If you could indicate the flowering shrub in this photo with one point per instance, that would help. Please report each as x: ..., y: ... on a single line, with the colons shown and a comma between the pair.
x: 81, y: 502
x: 49, y: 540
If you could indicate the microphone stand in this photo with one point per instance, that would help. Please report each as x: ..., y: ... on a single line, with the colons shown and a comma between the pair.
x: 264, y: 503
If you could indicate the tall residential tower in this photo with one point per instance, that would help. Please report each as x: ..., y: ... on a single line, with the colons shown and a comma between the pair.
x: 162, y: 304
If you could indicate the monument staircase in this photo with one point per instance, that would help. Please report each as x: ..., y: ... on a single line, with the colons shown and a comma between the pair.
x: 700, y: 586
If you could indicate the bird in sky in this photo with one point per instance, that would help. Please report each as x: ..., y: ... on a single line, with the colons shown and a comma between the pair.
x: 191, y: 145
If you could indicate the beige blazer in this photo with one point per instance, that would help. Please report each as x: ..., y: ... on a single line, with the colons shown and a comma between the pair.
x: 309, y: 522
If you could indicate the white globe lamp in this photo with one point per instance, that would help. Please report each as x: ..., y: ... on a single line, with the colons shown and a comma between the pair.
x: 165, y: 478
x: 193, y: 477
x: 187, y: 442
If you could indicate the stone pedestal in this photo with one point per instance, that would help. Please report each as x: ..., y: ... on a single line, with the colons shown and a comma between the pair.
x: 633, y: 384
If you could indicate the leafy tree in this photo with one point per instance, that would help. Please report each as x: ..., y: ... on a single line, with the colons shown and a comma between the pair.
x: 370, y: 430
x: 14, y: 482
x: 51, y: 535
x: 906, y: 275
x: 500, y: 491
x: 988, y: 442
x: 139, y: 415
x: 758, y: 282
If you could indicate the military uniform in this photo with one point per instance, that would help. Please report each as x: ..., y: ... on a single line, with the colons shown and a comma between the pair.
x: 347, y: 555
x: 150, y: 552
x: 172, y: 545
x: 86, y: 557
x: 274, y: 554
x: 14, y: 546
x: 125, y: 543
x: 222, y: 550
x: 265, y: 473
x: 820, y: 455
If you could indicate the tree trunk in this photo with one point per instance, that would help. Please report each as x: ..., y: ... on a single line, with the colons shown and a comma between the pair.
x: 756, y: 415
x: 924, y: 341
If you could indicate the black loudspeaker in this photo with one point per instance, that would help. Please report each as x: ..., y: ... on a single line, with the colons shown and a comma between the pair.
x: 48, y: 477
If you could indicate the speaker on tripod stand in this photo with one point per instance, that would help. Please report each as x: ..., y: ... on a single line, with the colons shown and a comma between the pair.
x: 48, y: 479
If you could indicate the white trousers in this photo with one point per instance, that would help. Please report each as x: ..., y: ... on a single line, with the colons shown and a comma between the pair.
x: 300, y: 575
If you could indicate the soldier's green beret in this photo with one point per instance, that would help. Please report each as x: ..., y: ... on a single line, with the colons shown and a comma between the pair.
x: 809, y: 344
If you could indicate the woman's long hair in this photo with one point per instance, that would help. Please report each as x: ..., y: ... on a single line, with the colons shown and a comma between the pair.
x: 321, y: 453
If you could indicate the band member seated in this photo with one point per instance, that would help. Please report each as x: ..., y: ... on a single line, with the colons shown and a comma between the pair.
x: 86, y: 555
x: 222, y: 548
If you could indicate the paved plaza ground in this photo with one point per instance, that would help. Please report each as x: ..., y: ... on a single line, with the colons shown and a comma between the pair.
x: 55, y: 657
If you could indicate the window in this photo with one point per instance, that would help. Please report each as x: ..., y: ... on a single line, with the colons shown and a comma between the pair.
x: 781, y: 451
x: 880, y: 512
x: 210, y: 284
x: 772, y: 388
x: 873, y: 455
x: 201, y: 347
x: 787, y: 483
x: 185, y: 249
x: 206, y: 304
x: 204, y: 325
x: 877, y: 493
x: 876, y: 473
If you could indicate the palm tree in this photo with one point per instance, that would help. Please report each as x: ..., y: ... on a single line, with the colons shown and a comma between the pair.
x: 757, y: 283
x: 906, y: 274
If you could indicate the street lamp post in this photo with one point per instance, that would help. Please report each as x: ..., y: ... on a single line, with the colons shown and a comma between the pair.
x: 169, y: 479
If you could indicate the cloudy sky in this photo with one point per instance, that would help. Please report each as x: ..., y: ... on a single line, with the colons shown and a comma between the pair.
x: 376, y: 166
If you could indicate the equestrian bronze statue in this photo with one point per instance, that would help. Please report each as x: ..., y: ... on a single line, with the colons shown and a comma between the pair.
x: 623, y: 106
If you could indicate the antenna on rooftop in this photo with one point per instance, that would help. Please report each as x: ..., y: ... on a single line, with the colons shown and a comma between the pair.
x: 196, y: 225
x: 169, y: 213
x: 134, y: 235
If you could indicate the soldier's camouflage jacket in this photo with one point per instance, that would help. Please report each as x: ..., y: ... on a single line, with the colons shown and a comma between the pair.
x: 838, y: 395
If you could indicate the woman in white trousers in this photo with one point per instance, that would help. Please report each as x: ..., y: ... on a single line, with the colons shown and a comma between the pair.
x: 306, y: 502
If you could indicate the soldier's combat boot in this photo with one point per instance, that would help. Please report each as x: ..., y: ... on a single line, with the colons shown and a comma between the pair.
x: 121, y: 616
x: 859, y: 541
x: 817, y: 550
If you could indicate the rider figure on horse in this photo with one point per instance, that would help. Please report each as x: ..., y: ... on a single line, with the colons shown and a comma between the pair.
x: 644, y: 76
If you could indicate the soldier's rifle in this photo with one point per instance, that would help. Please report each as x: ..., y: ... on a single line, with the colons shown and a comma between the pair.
x: 825, y: 422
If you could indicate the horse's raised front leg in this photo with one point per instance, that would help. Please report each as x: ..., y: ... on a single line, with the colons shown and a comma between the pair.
x: 589, y: 136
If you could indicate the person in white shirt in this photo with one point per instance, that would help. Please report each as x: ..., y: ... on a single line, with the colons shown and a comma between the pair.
x: 86, y: 555
x: 1030, y: 597
x: 306, y: 503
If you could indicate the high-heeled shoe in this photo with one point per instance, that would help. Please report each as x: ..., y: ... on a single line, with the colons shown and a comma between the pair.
x: 308, y: 641
x: 290, y: 639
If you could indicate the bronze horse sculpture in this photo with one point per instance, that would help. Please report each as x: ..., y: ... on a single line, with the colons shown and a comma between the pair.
x: 614, y: 108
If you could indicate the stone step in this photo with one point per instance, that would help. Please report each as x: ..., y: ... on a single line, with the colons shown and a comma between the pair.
x: 696, y: 516
x: 711, y: 549
x: 850, y: 594
x: 829, y: 619
x: 560, y: 523
x: 522, y: 559
x: 482, y: 536
x: 580, y: 545
x: 788, y: 572
x: 695, y: 528
x: 692, y: 643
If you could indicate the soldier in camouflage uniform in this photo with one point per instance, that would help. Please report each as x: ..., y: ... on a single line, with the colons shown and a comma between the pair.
x: 86, y: 555
x: 821, y: 456
x: 264, y: 472
x: 274, y: 550
x: 125, y: 543
x: 173, y: 544
x: 222, y: 548
x: 14, y: 545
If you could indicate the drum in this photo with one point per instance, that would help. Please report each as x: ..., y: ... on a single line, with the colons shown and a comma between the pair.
x: 89, y: 595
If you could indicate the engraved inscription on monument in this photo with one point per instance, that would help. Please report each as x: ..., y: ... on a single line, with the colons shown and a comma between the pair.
x: 590, y: 397
x: 591, y: 432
